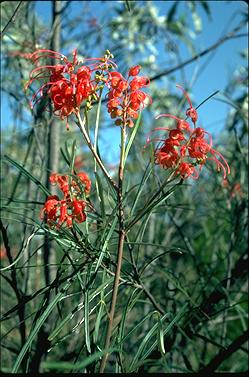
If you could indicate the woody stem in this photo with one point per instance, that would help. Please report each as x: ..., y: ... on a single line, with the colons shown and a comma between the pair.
x: 81, y: 125
x: 120, y: 248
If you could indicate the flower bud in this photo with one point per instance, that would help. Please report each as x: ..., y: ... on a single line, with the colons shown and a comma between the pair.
x: 118, y: 122
x: 130, y: 123
x: 134, y: 71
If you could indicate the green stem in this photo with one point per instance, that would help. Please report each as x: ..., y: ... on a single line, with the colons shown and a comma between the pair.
x: 97, y: 128
x: 81, y: 125
x: 120, y: 248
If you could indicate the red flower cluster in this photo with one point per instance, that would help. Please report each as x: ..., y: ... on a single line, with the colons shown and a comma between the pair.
x: 71, y: 207
x: 186, y: 148
x: 64, y: 85
x: 124, y: 97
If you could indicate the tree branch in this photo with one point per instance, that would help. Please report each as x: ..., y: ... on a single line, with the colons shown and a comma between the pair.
x: 11, y: 20
x: 224, y: 354
x: 217, y: 44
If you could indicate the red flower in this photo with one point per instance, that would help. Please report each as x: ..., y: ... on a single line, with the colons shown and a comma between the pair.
x: 66, y: 85
x: 77, y: 208
x: 50, y: 209
x: 187, y: 170
x: 139, y: 82
x: 124, y: 97
x: 56, y: 212
x: 166, y: 156
x: 61, y: 181
x: 86, y: 181
x: 114, y: 78
x: 134, y: 71
x: 81, y: 183
x: 186, y: 148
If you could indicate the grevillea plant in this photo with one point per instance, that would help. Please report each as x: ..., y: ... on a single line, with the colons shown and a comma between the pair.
x: 72, y: 88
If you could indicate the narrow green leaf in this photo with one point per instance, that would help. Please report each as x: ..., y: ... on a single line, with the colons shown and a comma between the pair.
x: 127, y: 5
x: 144, y: 343
x: 137, y: 326
x: 165, y: 331
x: 134, y: 296
x: 161, y: 337
x: 71, y: 331
x: 177, y: 284
x: 72, y: 157
x: 64, y: 155
x: 172, y: 12
x: 96, y: 131
x: 86, y: 312
x: 106, y: 236
x: 130, y: 303
x: 132, y: 137
x: 78, y: 307
x: 28, y: 175
x: 63, y: 323
x: 66, y: 151
x: 101, y: 308
x: 38, y: 325
x: 145, y: 177
x: 20, y: 254
x: 68, y: 366
x: 158, y: 256
x: 152, y: 206
x: 100, y: 195
x: 205, y: 6
x: 30, y: 138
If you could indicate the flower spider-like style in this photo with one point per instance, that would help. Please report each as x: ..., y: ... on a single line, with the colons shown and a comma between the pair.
x: 67, y: 83
x: 71, y: 208
x: 186, y: 148
x: 125, y: 98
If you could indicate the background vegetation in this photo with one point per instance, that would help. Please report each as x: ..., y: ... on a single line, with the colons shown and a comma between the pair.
x: 182, y: 301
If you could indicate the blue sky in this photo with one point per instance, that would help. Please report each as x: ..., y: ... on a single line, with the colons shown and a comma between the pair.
x: 216, y: 74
